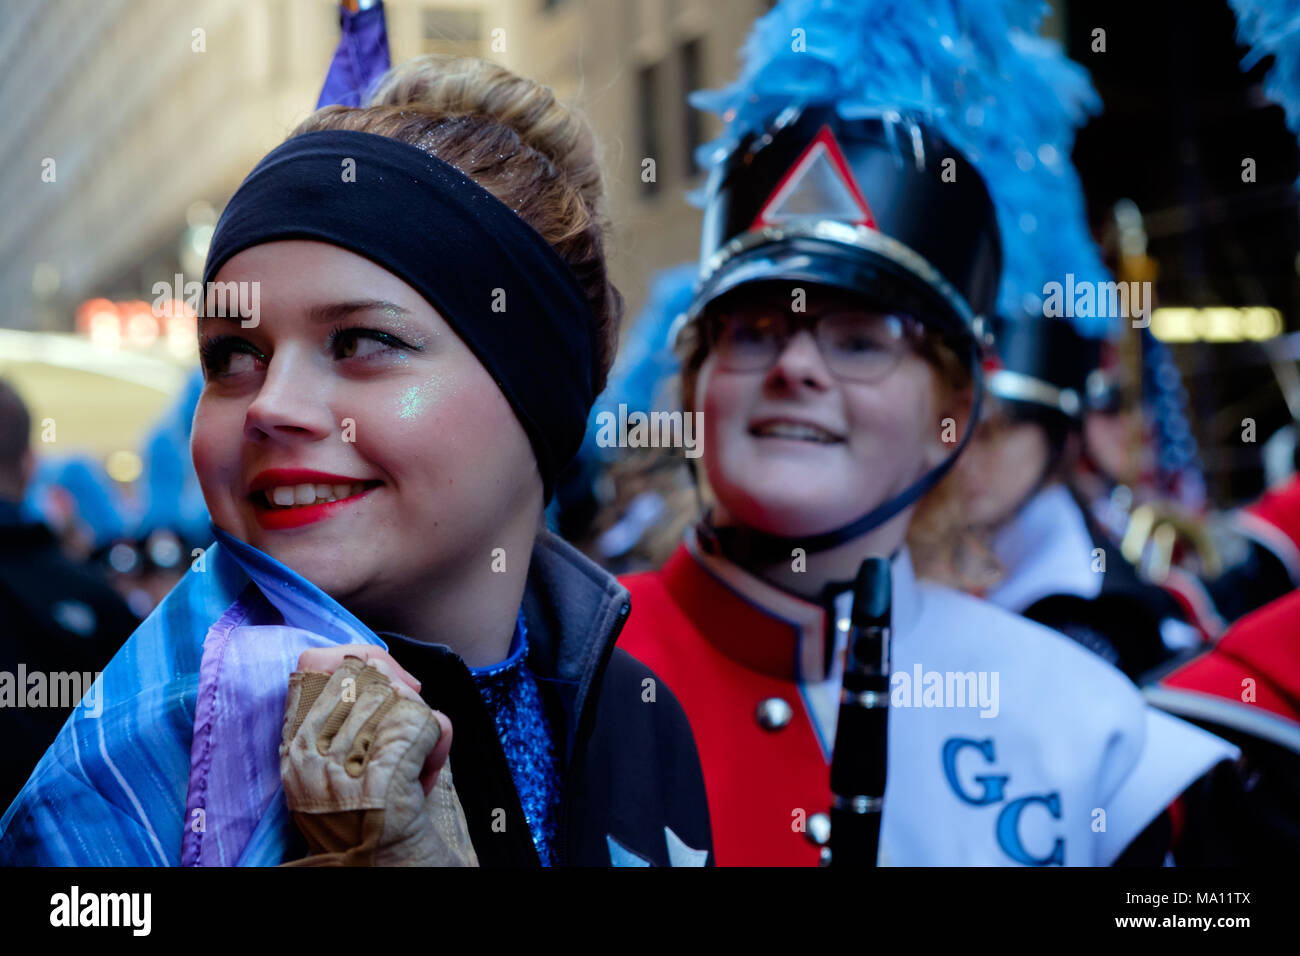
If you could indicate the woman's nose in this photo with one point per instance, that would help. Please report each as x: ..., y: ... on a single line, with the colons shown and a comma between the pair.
x: 800, y: 362
x: 292, y: 403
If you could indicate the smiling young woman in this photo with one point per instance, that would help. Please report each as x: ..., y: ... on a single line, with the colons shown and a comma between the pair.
x: 892, y: 371
x: 375, y: 448
x: 835, y: 355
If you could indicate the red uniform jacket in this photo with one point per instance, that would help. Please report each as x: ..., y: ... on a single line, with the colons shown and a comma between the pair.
x: 1246, y: 689
x: 1248, y: 682
x: 687, y: 626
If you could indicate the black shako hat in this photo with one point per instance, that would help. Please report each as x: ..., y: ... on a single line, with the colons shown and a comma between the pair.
x: 880, y: 206
x: 1046, y: 364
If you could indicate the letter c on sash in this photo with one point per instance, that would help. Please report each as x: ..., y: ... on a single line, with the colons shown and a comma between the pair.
x: 994, y: 787
x: 1009, y: 831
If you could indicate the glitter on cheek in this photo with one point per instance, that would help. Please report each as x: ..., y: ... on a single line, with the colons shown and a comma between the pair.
x: 416, y: 399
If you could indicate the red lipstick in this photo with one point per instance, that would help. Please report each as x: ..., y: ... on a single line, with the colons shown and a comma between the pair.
x: 273, y: 518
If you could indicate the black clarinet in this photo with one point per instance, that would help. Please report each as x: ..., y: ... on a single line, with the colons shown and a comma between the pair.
x: 858, y: 762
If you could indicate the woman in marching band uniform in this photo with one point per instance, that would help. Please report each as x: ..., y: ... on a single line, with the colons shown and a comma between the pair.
x: 833, y: 346
x: 1055, y: 564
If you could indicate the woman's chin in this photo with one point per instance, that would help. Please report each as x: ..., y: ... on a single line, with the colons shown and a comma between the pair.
x: 787, y: 513
x: 319, y: 569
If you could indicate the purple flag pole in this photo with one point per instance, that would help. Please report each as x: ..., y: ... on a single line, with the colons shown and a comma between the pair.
x: 362, y: 54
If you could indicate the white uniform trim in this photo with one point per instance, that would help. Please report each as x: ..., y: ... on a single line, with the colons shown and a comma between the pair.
x: 1171, y: 746
x: 1069, y: 727
x: 1196, y: 705
x: 1272, y: 538
x: 1045, y: 549
x: 1192, y: 589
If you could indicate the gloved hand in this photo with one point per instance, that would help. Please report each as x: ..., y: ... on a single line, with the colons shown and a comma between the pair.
x: 351, y: 756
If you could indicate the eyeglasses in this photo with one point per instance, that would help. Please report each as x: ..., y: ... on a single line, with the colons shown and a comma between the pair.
x: 857, y: 346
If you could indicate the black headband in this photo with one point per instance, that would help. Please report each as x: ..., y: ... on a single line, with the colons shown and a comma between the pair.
x: 463, y: 249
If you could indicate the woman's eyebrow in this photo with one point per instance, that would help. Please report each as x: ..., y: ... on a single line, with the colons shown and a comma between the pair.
x: 334, y: 311
x: 330, y: 311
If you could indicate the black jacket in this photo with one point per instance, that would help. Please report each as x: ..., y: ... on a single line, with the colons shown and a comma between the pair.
x: 55, y: 616
x: 631, y: 779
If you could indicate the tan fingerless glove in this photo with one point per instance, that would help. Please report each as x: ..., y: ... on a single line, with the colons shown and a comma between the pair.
x: 350, y: 759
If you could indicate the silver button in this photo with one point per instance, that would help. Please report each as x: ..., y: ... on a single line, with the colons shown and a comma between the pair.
x: 819, y: 829
x: 773, y: 713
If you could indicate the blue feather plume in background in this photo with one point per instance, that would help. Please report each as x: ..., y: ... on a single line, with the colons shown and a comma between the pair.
x: 977, y: 72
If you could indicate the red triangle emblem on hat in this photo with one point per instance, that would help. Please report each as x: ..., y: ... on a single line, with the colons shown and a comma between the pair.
x: 820, y: 185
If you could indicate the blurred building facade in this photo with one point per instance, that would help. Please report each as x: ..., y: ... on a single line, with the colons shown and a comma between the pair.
x: 130, y: 122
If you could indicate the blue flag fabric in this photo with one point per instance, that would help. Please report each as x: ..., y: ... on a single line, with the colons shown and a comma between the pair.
x: 179, y: 705
x: 361, y: 57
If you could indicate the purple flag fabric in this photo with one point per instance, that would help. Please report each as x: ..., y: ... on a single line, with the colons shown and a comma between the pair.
x: 234, y: 808
x: 361, y: 57
x: 235, y: 759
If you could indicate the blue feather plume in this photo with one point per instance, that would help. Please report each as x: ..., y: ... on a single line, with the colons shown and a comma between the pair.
x: 977, y: 72
x: 169, y: 486
x: 1272, y: 28
x: 99, y: 506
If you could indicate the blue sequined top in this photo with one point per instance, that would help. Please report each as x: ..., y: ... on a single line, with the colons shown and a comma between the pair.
x: 509, y: 689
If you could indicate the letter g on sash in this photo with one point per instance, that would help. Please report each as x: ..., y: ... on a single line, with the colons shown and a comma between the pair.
x: 1009, y: 831
x: 994, y: 787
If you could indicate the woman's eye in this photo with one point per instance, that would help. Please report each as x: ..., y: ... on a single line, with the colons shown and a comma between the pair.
x: 750, y: 332
x: 363, y: 343
x: 863, y: 336
x: 858, y: 343
x: 227, y: 356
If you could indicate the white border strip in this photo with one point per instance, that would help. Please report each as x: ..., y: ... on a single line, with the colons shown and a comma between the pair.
x: 1270, y: 536
x: 1218, y: 710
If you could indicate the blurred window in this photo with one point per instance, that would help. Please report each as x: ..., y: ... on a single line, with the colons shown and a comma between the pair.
x: 690, y: 53
x: 647, y: 112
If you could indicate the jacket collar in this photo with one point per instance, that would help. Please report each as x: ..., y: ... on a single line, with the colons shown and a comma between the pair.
x: 765, y: 628
x: 1046, y: 549
x: 574, y: 611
